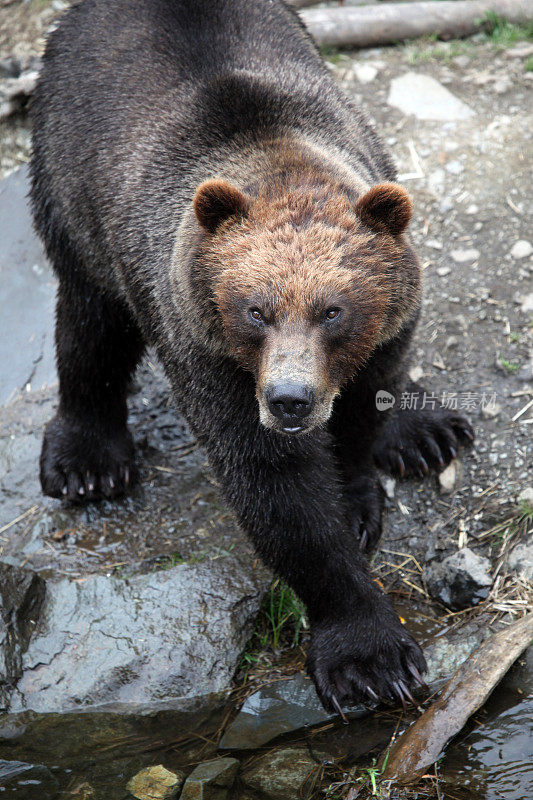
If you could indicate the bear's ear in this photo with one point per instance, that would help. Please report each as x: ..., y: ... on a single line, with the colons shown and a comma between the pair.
x: 385, y: 207
x: 217, y: 200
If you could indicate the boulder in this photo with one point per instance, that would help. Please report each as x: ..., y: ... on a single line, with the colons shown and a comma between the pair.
x: 281, y: 775
x: 27, y: 781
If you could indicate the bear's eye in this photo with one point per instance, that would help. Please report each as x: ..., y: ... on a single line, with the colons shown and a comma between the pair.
x: 332, y: 313
x: 256, y: 315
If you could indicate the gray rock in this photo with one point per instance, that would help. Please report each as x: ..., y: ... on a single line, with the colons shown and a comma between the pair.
x: 162, y: 636
x: 454, y: 167
x: 282, y: 774
x: 27, y: 781
x: 279, y: 708
x: 446, y: 654
x: 426, y: 98
x: 464, y: 256
x: 21, y: 598
x: 526, y: 303
x: 526, y: 496
x: 27, y: 296
x: 460, y: 580
x: 521, y: 560
x: 156, y: 783
x: 365, y: 73
x: 450, y: 477
x: 521, y: 249
x: 211, y: 780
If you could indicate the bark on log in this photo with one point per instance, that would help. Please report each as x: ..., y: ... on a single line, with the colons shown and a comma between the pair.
x: 370, y: 26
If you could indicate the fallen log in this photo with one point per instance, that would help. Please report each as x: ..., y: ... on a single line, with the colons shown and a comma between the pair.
x: 386, y: 23
x: 423, y: 742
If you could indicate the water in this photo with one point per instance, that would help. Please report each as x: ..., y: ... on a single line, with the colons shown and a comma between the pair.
x: 492, y: 759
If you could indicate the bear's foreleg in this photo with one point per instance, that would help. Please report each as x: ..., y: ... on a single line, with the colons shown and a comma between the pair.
x: 287, y: 495
x: 87, y: 449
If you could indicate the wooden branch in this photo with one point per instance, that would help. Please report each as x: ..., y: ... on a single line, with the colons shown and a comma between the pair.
x: 386, y: 23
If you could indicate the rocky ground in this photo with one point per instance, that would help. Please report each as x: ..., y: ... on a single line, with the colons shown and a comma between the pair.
x: 457, y: 550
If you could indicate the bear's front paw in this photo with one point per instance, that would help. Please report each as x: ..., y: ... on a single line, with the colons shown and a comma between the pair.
x: 364, y: 658
x: 81, y: 460
x: 364, y: 498
x: 415, y: 441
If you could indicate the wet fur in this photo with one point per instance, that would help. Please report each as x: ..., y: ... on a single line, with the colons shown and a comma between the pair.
x: 137, y: 105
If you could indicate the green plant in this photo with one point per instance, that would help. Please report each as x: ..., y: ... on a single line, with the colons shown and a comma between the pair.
x: 330, y: 53
x: 514, y: 337
x: 510, y: 366
x: 167, y: 562
x: 282, y: 609
x: 503, y: 33
x: 529, y: 64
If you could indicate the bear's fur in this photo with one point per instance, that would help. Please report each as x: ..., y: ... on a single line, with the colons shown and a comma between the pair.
x: 203, y: 186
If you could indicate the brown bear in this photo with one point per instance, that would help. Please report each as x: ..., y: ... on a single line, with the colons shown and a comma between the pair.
x: 202, y: 186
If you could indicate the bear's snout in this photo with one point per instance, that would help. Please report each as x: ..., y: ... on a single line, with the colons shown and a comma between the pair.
x: 290, y: 403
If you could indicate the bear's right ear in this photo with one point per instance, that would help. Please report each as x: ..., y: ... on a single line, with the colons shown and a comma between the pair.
x: 217, y: 200
x: 385, y: 207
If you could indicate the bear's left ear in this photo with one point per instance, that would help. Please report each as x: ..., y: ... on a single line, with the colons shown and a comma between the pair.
x: 385, y: 207
x: 217, y: 200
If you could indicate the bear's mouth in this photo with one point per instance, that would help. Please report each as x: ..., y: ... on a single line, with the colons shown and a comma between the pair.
x: 292, y: 429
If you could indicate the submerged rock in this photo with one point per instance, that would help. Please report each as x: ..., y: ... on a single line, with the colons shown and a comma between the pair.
x: 27, y: 781
x: 280, y: 775
x: 460, y: 580
x: 156, y: 783
x: 211, y: 780
x: 282, y: 707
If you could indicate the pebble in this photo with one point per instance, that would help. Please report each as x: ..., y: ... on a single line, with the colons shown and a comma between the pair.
x: 365, y: 73
x: 472, y: 209
x: 526, y: 304
x: 491, y: 410
x: 526, y: 496
x: 434, y: 244
x: 521, y: 249
x: 442, y: 271
x: 449, y: 477
x: 521, y: 560
x: 454, y: 167
x: 211, y: 780
x: 464, y: 256
x: 156, y: 783
x: 461, y: 61
x: 522, y: 50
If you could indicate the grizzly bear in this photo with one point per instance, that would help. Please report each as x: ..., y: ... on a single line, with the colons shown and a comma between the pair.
x: 203, y: 187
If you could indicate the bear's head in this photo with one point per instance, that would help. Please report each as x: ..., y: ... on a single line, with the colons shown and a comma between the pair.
x: 303, y: 284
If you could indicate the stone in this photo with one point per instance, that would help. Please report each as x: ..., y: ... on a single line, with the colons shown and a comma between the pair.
x: 459, y: 581
x: 445, y: 654
x: 160, y: 637
x: 156, y: 783
x: 21, y: 597
x: 521, y: 560
x: 279, y: 708
x: 211, y: 780
x: 521, y: 249
x: 365, y: 73
x: 415, y: 373
x: 27, y: 298
x: 454, y: 167
x: 449, y: 477
x: 522, y: 50
x: 280, y: 775
x: 465, y: 256
x: 425, y: 98
x: 526, y: 496
x: 491, y: 410
x: 27, y: 781
x: 443, y: 271
x: 526, y: 303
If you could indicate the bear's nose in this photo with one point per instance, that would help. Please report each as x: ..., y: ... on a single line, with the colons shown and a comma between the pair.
x: 288, y: 401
